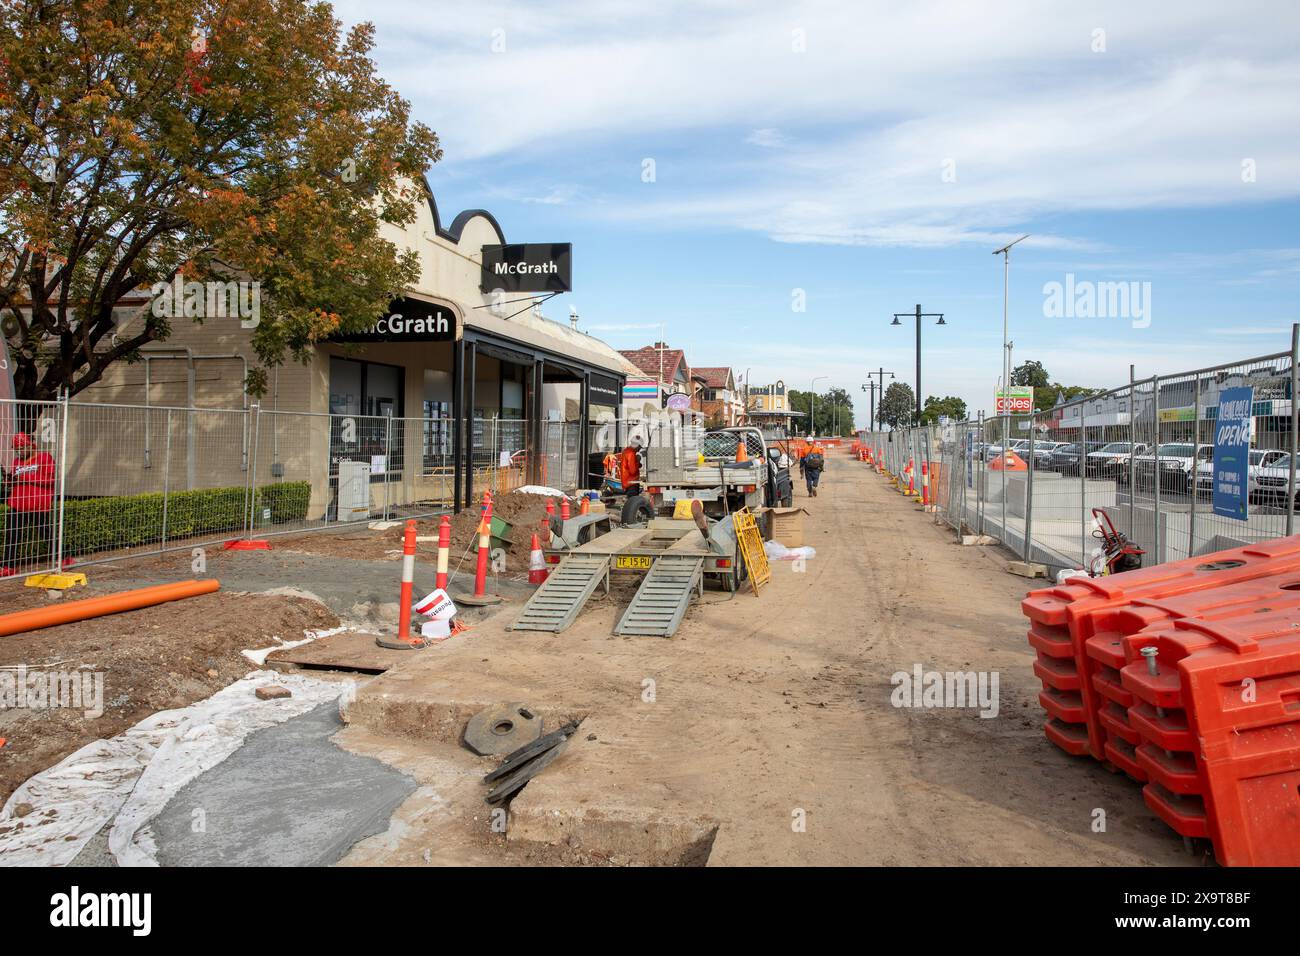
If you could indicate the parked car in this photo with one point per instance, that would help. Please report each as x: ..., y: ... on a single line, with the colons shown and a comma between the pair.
x: 1175, y: 463
x: 1261, y: 460
x: 1066, y: 458
x: 1111, y: 460
x: 1043, y: 453
x: 1019, y: 445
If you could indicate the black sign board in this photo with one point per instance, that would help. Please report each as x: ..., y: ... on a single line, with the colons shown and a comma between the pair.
x: 528, y: 267
x: 409, y: 320
x: 603, y: 390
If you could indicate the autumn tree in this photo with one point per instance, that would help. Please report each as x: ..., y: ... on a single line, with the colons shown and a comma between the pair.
x: 248, y: 139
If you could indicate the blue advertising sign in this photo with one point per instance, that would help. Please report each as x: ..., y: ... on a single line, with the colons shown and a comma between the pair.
x: 1232, y: 427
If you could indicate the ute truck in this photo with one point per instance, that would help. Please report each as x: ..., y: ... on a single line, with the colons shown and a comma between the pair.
x: 691, y: 462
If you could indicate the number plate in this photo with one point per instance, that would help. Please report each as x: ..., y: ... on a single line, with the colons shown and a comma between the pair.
x: 632, y: 562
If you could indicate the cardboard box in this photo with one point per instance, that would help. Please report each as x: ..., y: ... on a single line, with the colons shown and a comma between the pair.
x: 786, y: 526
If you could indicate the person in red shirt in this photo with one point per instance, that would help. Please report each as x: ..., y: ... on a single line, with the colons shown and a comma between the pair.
x: 629, y: 468
x: 30, y: 484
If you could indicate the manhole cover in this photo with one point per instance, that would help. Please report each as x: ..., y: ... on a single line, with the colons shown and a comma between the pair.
x: 501, y: 730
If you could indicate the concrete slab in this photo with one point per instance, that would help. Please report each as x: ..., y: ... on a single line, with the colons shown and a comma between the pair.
x: 288, y: 797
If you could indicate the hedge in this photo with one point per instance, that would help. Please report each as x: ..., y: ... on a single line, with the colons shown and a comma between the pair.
x: 129, y: 521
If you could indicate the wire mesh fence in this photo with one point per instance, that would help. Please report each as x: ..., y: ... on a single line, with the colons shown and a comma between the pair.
x: 86, y: 483
x: 1142, y: 454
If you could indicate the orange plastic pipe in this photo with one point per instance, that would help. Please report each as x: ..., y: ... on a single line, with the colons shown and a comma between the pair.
x: 83, y: 610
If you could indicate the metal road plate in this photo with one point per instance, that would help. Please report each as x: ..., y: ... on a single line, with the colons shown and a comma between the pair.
x: 633, y: 562
x: 502, y: 730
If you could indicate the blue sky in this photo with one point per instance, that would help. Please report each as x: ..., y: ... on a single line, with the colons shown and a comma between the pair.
x: 873, y: 156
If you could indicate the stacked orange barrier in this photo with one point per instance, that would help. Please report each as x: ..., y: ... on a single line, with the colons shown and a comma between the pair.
x: 1187, y: 677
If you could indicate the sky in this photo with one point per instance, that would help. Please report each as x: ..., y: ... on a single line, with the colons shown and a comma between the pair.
x: 769, y: 183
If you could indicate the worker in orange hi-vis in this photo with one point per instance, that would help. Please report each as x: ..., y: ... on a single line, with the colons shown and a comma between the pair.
x: 813, y: 461
x: 629, y: 467
x: 29, y: 495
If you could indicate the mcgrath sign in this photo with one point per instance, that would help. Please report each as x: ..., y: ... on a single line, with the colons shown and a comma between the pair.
x: 409, y: 320
x: 1232, y: 434
x: 1016, y: 400
x: 528, y: 267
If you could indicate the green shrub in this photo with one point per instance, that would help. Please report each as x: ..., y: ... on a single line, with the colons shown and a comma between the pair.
x: 129, y: 521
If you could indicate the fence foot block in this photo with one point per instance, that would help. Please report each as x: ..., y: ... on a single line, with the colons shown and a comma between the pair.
x: 1027, y: 569
x: 980, y: 539
x: 253, y: 545
x: 56, y: 582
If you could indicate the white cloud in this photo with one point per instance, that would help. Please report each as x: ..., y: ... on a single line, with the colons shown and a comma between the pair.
x: 886, y: 99
x: 767, y: 137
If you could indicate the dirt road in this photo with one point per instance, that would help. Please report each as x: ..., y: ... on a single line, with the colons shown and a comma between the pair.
x: 764, y: 732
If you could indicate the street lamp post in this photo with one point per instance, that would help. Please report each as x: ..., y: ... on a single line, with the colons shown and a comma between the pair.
x: 919, y: 316
x: 870, y: 388
x: 1005, y: 252
x: 880, y: 373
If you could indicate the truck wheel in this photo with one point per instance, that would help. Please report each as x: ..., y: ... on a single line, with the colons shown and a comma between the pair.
x: 740, y: 572
x: 637, y: 510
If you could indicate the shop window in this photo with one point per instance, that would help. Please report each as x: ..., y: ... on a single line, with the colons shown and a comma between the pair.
x: 370, y: 393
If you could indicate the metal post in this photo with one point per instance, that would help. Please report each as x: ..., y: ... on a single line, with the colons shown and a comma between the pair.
x: 1006, y: 448
x: 63, y: 487
x: 388, y: 455
x: 1196, y: 460
x: 1029, y: 496
x: 983, y: 485
x: 167, y: 474
x: 255, y: 411
x: 1155, y: 424
x: 1295, y: 420
x: 1132, y: 445
x: 918, y: 363
x: 1083, y: 484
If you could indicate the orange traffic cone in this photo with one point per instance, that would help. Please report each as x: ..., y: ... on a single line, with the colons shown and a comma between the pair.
x: 742, y: 454
x: 564, y: 509
x: 537, y: 572
x: 584, y: 505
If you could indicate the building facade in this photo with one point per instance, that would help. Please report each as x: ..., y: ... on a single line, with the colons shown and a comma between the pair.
x: 453, y: 384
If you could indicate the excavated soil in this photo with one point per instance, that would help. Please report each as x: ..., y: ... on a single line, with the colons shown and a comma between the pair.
x: 153, y: 659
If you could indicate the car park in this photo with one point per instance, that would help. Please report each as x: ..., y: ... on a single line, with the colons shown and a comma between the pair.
x: 1173, y: 462
x: 1111, y: 460
x: 1065, y: 459
x: 1264, y: 462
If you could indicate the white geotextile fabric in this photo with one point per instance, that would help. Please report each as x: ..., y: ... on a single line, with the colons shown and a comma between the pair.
x: 129, y: 778
x: 776, y: 551
x: 541, y: 490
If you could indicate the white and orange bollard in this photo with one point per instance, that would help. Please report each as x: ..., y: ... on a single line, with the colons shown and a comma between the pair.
x: 911, y: 477
x: 444, y: 551
x: 925, y: 484
x: 405, y: 642
x: 480, y: 597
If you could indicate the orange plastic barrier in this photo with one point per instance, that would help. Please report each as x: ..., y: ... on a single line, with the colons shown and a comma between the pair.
x: 87, y: 608
x: 1218, y: 721
x: 1186, y: 676
x: 1008, y: 461
x: 1064, y: 619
